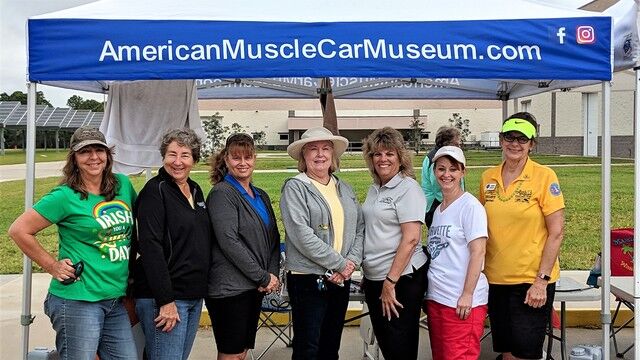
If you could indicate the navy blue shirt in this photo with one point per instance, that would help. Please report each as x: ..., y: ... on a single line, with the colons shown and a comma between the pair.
x: 257, y: 203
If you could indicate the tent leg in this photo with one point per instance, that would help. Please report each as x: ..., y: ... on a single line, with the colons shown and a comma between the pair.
x: 1, y: 141
x: 26, y: 318
x: 605, y: 311
x: 636, y: 244
x: 505, y: 109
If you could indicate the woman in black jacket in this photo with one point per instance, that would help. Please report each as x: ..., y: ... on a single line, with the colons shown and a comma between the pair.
x: 174, y: 237
x: 245, y: 254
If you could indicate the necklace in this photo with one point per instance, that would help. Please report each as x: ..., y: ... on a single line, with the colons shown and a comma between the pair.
x: 445, y: 204
x: 507, y: 198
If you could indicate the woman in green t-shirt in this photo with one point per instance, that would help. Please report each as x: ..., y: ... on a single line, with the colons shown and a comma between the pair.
x: 92, y: 210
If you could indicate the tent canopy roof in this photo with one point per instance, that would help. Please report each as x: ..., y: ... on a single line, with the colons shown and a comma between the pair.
x: 311, y: 11
x: 464, y: 49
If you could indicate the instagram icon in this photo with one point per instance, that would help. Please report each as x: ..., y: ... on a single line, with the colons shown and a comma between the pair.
x: 585, y: 35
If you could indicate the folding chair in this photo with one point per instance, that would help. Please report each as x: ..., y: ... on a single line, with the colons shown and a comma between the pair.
x: 621, y: 265
x: 272, y: 305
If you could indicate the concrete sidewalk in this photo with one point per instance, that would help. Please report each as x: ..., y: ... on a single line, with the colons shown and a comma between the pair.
x: 41, y: 333
x: 19, y: 172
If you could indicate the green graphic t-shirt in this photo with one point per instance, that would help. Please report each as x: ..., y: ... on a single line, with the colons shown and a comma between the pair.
x: 96, y: 231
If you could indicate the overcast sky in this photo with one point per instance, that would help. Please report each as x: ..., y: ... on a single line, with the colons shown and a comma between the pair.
x: 13, y: 53
x: 13, y: 58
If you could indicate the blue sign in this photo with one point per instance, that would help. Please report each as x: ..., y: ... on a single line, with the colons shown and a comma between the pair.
x: 564, y: 48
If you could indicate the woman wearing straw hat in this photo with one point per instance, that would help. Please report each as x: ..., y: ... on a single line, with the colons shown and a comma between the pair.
x: 324, y: 233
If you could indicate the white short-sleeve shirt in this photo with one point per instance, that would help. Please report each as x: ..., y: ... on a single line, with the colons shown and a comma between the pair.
x: 401, y: 200
x: 449, y: 236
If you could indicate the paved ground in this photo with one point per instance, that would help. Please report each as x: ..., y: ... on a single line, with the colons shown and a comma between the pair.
x: 41, y: 333
x: 18, y: 171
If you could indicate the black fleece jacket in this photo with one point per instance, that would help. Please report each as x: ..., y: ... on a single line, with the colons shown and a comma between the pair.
x: 173, y: 242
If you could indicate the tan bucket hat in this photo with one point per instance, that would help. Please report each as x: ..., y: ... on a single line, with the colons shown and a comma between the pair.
x: 319, y: 133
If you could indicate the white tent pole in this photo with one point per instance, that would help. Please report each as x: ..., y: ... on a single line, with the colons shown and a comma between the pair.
x: 605, y: 311
x: 636, y: 242
x: 26, y: 318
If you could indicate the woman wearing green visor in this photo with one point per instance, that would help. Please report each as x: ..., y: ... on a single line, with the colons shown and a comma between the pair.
x: 525, y: 214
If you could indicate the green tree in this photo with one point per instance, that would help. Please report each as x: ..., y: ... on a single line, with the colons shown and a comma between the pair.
x: 78, y: 103
x: 236, y: 129
x: 415, y: 136
x: 461, y: 124
x: 260, y: 137
x: 22, y: 98
x: 216, y: 134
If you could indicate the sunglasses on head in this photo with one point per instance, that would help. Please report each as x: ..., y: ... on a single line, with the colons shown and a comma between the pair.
x: 239, y: 138
x: 511, y: 138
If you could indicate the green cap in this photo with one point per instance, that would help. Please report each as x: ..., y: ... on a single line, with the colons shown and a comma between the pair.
x: 87, y: 136
x: 520, y: 125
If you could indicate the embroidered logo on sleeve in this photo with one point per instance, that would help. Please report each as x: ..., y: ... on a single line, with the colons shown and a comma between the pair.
x: 554, y: 189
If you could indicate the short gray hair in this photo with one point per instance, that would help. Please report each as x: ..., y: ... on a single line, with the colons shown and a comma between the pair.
x: 184, y: 137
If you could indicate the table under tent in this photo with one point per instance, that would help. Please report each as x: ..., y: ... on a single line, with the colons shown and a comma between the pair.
x: 494, y: 49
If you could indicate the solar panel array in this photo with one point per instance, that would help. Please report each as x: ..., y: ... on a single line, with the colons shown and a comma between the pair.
x: 14, y: 115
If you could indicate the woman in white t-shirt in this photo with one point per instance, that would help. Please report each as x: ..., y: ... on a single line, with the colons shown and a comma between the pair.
x: 458, y: 291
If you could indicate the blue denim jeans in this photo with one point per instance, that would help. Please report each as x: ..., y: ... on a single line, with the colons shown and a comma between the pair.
x: 177, y: 343
x: 84, y: 329
x: 318, y: 316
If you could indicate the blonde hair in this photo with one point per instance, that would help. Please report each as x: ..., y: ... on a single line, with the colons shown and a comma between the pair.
x: 390, y: 139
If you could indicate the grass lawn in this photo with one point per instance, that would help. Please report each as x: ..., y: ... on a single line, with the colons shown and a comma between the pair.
x: 474, y: 158
x: 280, y: 159
x: 581, y: 187
x: 17, y: 156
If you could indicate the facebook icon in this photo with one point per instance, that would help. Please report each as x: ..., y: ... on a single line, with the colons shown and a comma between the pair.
x: 561, y: 34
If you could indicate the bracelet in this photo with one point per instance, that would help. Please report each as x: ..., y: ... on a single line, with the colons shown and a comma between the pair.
x: 391, y: 281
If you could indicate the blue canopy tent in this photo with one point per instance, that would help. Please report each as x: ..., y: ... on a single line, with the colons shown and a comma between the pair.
x: 494, y: 49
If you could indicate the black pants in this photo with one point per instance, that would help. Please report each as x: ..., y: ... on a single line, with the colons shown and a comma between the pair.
x: 515, y: 326
x: 318, y: 316
x: 398, y: 339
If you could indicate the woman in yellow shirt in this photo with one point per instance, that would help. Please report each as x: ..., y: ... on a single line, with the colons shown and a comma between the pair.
x: 525, y: 213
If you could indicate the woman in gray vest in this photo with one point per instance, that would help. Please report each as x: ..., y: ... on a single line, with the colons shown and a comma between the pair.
x: 324, y: 233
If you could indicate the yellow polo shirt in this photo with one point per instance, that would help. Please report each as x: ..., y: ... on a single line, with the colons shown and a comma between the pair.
x: 516, y: 222
x: 330, y: 194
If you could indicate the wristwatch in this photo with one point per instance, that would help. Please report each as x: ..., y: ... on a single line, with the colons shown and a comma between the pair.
x: 544, y: 277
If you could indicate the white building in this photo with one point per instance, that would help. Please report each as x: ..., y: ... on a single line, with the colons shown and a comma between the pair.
x: 284, y: 120
x: 570, y: 120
